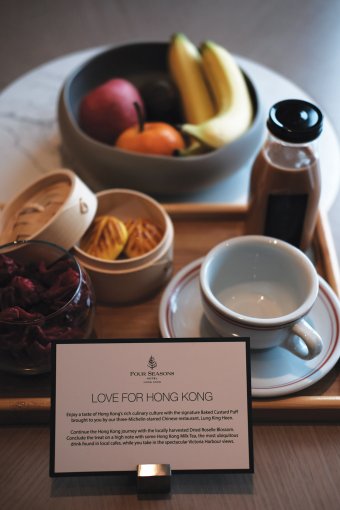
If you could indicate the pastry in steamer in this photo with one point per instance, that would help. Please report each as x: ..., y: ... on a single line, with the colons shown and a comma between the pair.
x: 143, y: 236
x: 106, y: 238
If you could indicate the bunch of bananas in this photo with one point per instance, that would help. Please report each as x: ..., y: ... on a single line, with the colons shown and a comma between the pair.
x: 216, y: 103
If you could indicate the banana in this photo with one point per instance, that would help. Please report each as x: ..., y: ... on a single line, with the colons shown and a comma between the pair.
x: 194, y: 148
x: 185, y: 65
x: 234, y: 107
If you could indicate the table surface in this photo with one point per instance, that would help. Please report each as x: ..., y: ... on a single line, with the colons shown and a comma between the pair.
x: 296, y: 465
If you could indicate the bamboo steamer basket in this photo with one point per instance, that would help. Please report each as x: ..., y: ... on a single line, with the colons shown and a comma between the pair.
x: 73, y: 210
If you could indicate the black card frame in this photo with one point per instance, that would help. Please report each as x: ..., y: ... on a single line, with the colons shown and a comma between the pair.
x: 245, y: 340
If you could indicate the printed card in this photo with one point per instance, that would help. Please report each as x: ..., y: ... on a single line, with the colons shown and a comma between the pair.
x: 117, y: 404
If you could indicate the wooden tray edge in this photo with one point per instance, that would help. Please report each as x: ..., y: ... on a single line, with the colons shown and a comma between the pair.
x: 298, y: 409
x: 325, y: 244
x: 24, y: 410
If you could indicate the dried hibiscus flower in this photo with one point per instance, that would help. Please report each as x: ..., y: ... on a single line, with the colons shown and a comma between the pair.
x: 40, y: 304
x: 8, y: 268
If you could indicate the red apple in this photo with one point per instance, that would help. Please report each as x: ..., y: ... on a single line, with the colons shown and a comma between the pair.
x: 108, y: 110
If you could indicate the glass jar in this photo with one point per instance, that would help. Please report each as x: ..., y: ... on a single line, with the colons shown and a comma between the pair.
x: 45, y: 295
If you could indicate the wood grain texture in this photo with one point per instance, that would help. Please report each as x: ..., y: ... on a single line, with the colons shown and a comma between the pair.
x: 295, y: 468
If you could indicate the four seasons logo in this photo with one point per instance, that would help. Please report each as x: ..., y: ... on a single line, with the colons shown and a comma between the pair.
x: 152, y: 363
x: 152, y: 375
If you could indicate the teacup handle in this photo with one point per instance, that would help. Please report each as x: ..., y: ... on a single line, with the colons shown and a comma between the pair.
x: 303, y: 341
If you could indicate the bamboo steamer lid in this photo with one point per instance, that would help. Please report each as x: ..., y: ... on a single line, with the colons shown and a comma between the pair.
x: 58, y: 207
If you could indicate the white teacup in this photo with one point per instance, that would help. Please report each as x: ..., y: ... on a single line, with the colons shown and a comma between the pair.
x: 262, y: 288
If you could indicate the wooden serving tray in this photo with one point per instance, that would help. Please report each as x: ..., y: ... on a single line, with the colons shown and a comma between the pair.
x: 198, y: 227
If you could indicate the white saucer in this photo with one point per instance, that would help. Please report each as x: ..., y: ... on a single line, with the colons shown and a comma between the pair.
x: 30, y: 140
x: 274, y: 371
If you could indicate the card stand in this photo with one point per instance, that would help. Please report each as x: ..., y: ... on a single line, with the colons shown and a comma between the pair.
x: 153, y: 478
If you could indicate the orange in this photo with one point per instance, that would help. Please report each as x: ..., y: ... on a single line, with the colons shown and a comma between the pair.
x: 154, y: 138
